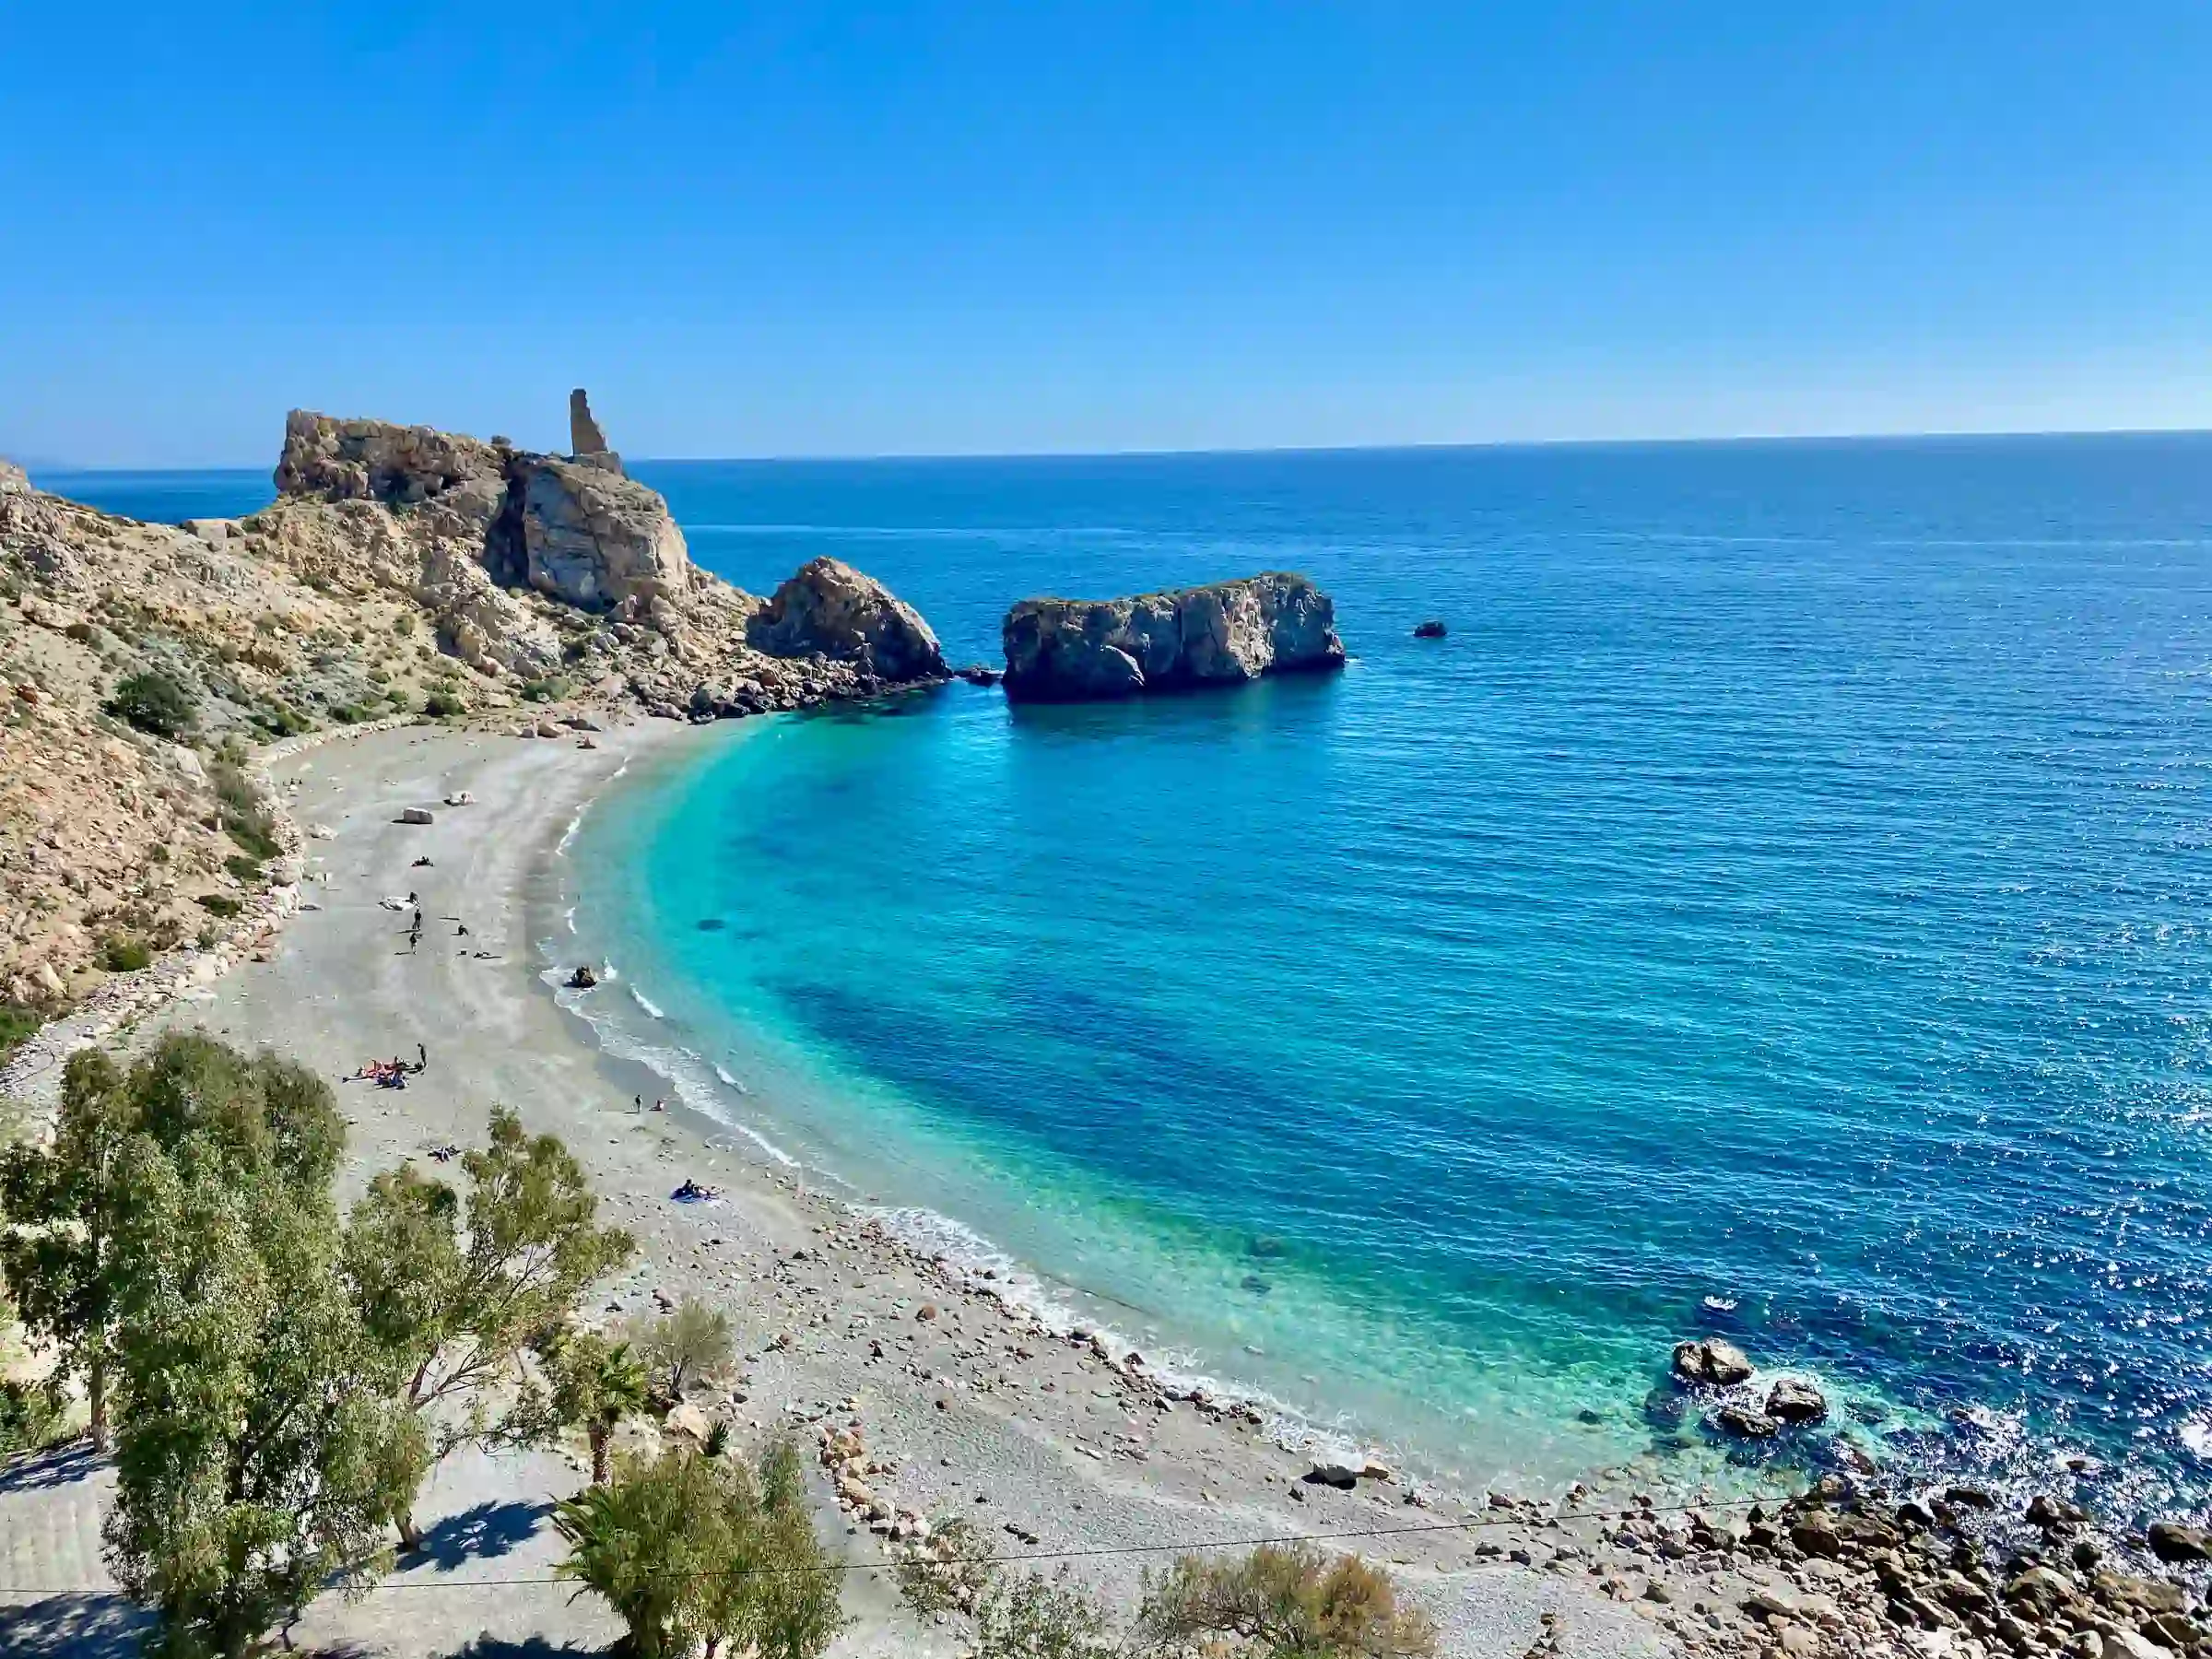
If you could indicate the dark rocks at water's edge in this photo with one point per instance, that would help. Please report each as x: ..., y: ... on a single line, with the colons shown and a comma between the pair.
x: 1712, y: 1362
x: 1086, y: 650
x: 1846, y: 1563
x: 1928, y: 1567
x: 583, y: 979
x: 1795, y: 1400
x: 2179, y: 1544
x: 979, y: 674
x: 1431, y: 630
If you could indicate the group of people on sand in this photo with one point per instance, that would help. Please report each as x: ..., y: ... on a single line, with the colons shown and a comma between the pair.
x: 392, y: 1072
x: 692, y: 1192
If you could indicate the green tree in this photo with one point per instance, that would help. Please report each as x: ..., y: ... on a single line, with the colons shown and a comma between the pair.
x: 456, y: 1296
x: 61, y: 1202
x: 595, y: 1383
x: 154, y: 702
x: 648, y: 1542
x: 259, y: 1453
x: 689, y: 1550
x: 694, y: 1340
x: 777, y: 1593
x: 1281, y: 1603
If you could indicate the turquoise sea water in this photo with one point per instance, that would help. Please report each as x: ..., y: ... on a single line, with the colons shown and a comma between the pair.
x: 1787, y: 885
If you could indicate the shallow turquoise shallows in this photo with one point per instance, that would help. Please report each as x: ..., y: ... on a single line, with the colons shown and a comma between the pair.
x: 1778, y: 906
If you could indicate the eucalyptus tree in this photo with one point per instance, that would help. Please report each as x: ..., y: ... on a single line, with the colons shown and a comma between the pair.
x: 459, y: 1293
x: 57, y: 1251
x: 259, y: 1455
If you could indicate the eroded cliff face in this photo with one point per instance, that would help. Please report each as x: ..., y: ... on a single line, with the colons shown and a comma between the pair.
x: 575, y: 528
x: 1076, y: 650
x: 545, y: 566
x: 400, y: 572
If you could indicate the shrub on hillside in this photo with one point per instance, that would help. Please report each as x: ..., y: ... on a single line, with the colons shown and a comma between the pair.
x: 125, y: 953
x: 16, y: 1022
x: 153, y: 703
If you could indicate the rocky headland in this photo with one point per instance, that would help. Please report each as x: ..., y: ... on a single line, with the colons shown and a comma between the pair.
x: 401, y: 572
x: 1078, y: 650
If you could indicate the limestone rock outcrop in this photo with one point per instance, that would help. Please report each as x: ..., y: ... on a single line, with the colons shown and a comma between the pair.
x: 575, y: 529
x: 1077, y: 650
x: 832, y: 610
x: 586, y: 536
x: 13, y: 479
x: 377, y: 461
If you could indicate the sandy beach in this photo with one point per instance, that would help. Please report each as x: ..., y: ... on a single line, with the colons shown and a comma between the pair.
x: 1057, y: 1449
x: 982, y: 1411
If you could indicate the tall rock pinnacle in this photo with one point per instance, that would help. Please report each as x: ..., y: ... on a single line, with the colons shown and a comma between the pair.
x: 584, y: 436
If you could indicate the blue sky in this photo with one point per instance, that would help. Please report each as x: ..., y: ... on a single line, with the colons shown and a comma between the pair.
x: 808, y: 230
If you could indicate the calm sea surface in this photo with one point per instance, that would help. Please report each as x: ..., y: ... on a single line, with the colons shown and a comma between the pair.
x: 1780, y: 906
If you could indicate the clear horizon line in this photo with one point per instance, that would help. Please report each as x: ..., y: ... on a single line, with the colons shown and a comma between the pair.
x: 1141, y: 453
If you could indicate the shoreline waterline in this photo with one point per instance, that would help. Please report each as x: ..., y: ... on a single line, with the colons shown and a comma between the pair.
x: 763, y: 1116
x: 744, y: 1084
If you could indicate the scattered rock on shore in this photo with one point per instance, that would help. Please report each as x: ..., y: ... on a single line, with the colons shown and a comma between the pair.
x: 583, y: 979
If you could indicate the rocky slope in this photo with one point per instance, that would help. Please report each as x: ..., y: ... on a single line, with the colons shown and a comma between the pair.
x: 1072, y: 649
x: 401, y: 571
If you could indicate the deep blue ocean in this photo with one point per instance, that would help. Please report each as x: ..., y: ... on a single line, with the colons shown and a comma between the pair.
x: 1779, y: 906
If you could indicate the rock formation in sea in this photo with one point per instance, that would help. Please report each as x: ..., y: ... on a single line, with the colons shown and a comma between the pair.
x: 830, y: 609
x: 1077, y: 650
x: 401, y: 571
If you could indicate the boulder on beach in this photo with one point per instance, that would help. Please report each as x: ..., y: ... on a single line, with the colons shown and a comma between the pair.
x: 1333, y: 1474
x: 416, y: 815
x: 1083, y: 650
x: 1711, y: 1362
x: 583, y: 979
